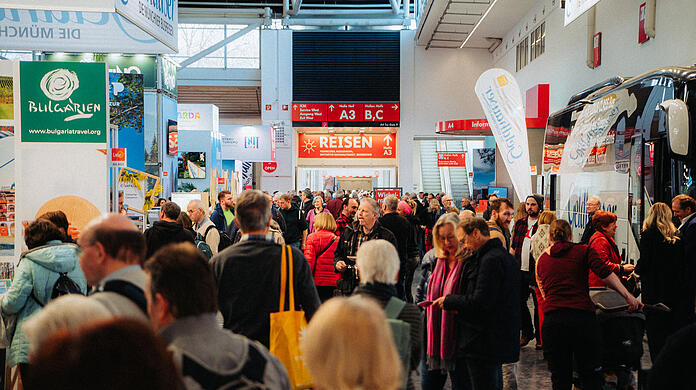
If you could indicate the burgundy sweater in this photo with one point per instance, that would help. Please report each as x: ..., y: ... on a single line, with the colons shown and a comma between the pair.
x: 562, y: 276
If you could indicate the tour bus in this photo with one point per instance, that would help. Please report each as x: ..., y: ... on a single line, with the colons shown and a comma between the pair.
x: 636, y: 138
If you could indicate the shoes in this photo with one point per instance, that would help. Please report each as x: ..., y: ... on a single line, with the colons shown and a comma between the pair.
x: 524, y: 341
x: 538, y: 347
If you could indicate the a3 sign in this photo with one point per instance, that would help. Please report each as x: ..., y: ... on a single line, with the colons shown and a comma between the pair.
x: 345, y: 112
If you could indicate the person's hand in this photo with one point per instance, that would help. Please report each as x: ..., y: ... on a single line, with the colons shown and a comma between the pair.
x: 633, y: 303
x: 341, y: 265
x: 439, y: 302
x: 628, y: 268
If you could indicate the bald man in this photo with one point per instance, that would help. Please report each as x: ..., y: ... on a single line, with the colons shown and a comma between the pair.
x: 113, y: 250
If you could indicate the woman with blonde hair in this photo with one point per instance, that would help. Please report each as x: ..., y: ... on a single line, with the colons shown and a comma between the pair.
x: 319, y: 252
x: 661, y: 268
x: 348, y: 346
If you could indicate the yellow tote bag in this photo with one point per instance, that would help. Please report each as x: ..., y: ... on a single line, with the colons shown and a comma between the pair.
x: 287, y: 329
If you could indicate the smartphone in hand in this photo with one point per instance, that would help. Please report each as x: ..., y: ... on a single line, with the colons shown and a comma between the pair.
x: 425, y: 303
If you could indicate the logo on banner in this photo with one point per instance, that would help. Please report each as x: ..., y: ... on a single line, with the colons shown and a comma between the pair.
x: 502, y: 81
x: 58, y: 85
x: 309, y: 146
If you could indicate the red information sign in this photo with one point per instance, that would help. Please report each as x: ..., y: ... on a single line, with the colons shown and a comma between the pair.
x: 273, y: 143
x: 597, y: 50
x: 347, y: 145
x: 642, y: 34
x: 221, y: 181
x: 381, y: 193
x: 375, y: 112
x: 448, y: 159
x: 345, y: 112
x: 309, y: 112
x: 270, y: 167
x: 118, y: 157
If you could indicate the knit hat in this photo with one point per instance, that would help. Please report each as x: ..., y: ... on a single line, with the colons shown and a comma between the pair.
x: 404, y: 206
x: 539, y: 199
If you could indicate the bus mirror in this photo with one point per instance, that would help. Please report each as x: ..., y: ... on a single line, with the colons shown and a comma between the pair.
x: 677, y: 123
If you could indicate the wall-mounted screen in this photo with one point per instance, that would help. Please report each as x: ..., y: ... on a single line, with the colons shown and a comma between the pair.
x: 191, y: 165
x: 501, y: 192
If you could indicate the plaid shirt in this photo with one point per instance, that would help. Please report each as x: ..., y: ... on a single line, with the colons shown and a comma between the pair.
x: 518, y: 235
x: 341, y: 224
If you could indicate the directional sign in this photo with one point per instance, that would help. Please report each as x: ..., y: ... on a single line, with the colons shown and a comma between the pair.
x: 381, y: 112
x: 381, y: 193
x: 347, y: 145
x: 309, y: 111
x: 449, y: 159
x: 345, y: 112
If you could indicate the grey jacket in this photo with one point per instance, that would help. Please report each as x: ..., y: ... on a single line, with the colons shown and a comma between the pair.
x: 209, y: 357
x: 118, y: 304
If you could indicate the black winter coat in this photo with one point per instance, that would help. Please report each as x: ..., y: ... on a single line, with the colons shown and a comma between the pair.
x: 162, y: 233
x: 401, y: 229
x: 488, y: 306
x: 348, y: 244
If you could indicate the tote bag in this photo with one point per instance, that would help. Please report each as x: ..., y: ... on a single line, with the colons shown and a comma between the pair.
x: 287, y: 326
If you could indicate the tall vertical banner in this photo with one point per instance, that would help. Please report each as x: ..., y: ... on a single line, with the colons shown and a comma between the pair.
x: 61, y: 117
x: 7, y: 169
x: 501, y: 100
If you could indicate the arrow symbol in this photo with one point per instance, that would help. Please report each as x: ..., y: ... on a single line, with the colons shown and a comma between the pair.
x: 294, y: 106
x: 396, y: 106
x: 387, y: 139
x: 331, y: 107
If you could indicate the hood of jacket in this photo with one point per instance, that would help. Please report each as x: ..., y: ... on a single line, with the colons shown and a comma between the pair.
x: 55, y: 256
x: 218, y: 208
x: 166, y: 227
x: 559, y: 249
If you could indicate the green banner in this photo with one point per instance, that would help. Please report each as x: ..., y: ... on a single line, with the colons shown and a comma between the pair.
x: 168, y: 75
x: 118, y: 63
x: 63, y: 102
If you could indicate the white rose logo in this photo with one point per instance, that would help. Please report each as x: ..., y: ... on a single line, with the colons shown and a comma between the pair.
x: 59, y: 84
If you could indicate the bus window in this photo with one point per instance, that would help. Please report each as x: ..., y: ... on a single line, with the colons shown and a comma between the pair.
x: 635, y: 193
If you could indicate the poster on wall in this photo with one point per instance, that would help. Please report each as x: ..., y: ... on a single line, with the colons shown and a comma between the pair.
x: 191, y: 165
x: 7, y: 165
x: 247, y: 143
x: 126, y: 113
x: 61, y: 124
x: 172, y: 138
x: 483, y: 162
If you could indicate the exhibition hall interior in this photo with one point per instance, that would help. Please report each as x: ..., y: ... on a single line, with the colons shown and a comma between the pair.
x: 348, y: 194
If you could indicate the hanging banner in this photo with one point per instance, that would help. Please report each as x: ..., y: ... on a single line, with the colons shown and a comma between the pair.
x: 248, y: 143
x: 575, y: 8
x: 7, y: 167
x: 75, y: 31
x: 159, y: 18
x: 126, y: 113
x: 501, y: 100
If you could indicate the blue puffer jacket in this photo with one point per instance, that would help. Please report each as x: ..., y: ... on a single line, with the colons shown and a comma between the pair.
x: 38, y: 271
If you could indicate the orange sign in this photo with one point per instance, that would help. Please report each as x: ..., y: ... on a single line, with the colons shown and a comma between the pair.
x: 347, y: 145
x: 221, y: 181
x: 448, y: 159
x: 381, y: 193
x: 118, y: 157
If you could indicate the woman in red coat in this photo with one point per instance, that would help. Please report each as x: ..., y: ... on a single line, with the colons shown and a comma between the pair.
x: 319, y: 251
x: 603, y: 242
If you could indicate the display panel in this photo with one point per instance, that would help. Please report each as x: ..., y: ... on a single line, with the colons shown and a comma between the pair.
x: 191, y: 165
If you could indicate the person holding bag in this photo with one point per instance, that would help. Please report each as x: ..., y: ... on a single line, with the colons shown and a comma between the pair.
x: 36, y: 274
x: 319, y: 251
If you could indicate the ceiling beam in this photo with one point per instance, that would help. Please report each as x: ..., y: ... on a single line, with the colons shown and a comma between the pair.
x: 220, y: 44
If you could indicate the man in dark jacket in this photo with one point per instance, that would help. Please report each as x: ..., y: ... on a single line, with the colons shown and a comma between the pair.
x: 401, y: 229
x: 223, y: 214
x: 593, y: 205
x: 166, y: 230
x: 488, y: 307
x: 366, y: 228
x: 487, y: 212
x: 296, y: 226
x: 248, y: 273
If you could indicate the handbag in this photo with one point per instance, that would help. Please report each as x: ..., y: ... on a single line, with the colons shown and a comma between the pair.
x: 287, y: 326
x: 8, y: 324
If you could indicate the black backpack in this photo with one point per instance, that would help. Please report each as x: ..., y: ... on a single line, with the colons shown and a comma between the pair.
x: 63, y: 286
x: 225, y: 240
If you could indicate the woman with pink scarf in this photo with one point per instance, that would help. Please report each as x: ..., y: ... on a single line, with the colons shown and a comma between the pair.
x: 440, y: 324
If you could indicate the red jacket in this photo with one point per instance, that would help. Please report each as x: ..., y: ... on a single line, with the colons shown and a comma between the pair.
x: 609, y: 252
x: 323, y: 269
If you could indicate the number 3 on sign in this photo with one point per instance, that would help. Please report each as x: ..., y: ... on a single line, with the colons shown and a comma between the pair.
x: 387, y: 152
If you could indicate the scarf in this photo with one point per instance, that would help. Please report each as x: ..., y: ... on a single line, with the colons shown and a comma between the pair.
x: 440, y: 323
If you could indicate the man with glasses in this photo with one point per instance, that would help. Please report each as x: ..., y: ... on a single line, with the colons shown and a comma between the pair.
x: 203, y: 225
x: 592, y: 206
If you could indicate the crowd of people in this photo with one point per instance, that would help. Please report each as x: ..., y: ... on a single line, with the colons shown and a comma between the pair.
x: 187, y: 303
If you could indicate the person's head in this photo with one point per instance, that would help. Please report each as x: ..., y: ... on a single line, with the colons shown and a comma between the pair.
x: 683, y: 206
x: 492, y: 196
x: 391, y: 204
x: 184, y: 220
x: 660, y: 218
x: 67, y: 312
x: 593, y: 204
x: 502, y: 212
x: 59, y: 219
x: 447, y: 201
x: 377, y: 261
x: 196, y: 210
x: 112, y: 354
x: 171, y: 267
x: 318, y: 204
x: 108, y: 244
x: 430, y: 198
x: 252, y: 211
x: 465, y: 214
x: 170, y: 211
x: 404, y: 208
x: 560, y: 231
x: 160, y: 202
x: 434, y: 206
x: 444, y: 235
x: 306, y: 195
x: 324, y: 221
x: 546, y: 217
x: 285, y: 201
x: 349, y: 208
x: 40, y: 232
x: 348, y: 345
x: 226, y: 200
x: 465, y: 202
x: 476, y: 233
x: 276, y: 198
x: 604, y: 221
x: 534, y: 204
x: 420, y: 195
x: 368, y: 212
x: 521, y: 212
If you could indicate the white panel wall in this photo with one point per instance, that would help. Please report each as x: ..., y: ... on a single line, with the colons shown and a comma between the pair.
x: 563, y: 65
x: 436, y: 85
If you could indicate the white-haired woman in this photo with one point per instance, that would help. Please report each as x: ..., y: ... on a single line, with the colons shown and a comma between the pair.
x: 343, y: 329
x: 378, y: 263
x: 319, y: 208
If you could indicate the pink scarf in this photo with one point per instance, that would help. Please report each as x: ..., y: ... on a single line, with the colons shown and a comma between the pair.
x: 440, y: 323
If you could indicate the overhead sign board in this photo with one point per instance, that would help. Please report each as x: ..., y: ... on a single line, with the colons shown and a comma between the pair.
x: 196, y: 116
x: 247, y: 143
x: 157, y: 17
x: 346, y: 145
x: 346, y: 114
x: 74, y: 31
x: 451, y: 159
x: 575, y: 8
